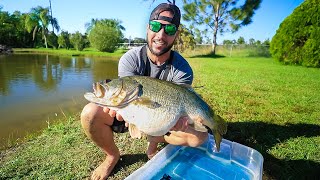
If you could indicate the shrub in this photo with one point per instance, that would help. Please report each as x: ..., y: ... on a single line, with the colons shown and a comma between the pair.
x: 185, y: 40
x: 104, y: 37
x: 297, y: 41
x: 78, y: 41
x: 63, y: 40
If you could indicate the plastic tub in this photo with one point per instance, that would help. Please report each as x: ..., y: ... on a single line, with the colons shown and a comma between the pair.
x: 234, y: 161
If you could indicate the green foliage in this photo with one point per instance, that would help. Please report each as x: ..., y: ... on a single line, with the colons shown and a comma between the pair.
x: 219, y: 15
x: 241, y: 40
x: 63, y: 40
x: 38, y: 21
x: 297, y: 41
x: 185, y: 40
x: 228, y: 42
x: 138, y: 40
x: 105, y: 35
x: 12, y: 29
x: 53, y: 40
x: 78, y: 41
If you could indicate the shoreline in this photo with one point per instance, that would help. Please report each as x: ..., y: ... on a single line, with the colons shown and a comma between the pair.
x: 87, y: 52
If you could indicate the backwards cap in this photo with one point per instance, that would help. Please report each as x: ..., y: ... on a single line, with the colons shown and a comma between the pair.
x: 155, y: 14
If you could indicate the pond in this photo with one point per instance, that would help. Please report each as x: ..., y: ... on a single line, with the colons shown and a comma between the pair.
x: 38, y: 89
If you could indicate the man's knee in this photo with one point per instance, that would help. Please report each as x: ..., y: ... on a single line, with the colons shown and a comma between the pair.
x: 94, y: 114
x: 88, y: 114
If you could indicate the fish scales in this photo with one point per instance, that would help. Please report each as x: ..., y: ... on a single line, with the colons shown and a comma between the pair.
x: 154, y: 106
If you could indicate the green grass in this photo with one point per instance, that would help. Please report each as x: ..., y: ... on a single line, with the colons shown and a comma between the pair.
x: 270, y: 107
x: 63, y: 152
x: 70, y: 52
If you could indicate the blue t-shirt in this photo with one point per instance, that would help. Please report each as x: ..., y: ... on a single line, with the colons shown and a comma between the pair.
x: 131, y: 64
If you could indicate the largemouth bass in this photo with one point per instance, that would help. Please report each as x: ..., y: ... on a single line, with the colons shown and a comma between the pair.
x: 154, y: 106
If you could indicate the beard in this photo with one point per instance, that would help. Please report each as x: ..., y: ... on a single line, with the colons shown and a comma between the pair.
x: 163, y: 51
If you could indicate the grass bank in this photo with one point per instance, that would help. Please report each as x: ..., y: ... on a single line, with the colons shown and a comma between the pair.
x: 70, y: 52
x: 272, y: 108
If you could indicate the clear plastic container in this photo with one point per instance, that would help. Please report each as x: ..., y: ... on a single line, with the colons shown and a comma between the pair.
x: 234, y: 161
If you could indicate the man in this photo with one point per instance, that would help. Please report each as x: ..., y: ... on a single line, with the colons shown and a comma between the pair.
x: 155, y: 60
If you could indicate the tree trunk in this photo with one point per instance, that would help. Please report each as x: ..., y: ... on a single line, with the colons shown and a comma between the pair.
x: 215, y: 29
x: 51, y: 16
x: 213, y: 48
x: 45, y: 41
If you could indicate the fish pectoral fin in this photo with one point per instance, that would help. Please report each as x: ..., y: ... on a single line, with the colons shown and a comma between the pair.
x: 145, y: 101
x: 134, y: 131
x: 198, y: 126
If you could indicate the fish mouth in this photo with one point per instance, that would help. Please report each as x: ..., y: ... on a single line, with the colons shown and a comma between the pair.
x: 98, y: 90
x: 105, y: 94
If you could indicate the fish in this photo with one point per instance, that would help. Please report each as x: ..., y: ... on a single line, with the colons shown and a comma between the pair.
x: 153, y: 106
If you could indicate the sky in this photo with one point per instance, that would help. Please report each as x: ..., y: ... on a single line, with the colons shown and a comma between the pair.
x: 72, y: 15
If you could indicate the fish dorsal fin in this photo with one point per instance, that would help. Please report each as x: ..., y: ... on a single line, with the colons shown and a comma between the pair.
x: 134, y: 131
x: 145, y: 101
x: 115, y: 101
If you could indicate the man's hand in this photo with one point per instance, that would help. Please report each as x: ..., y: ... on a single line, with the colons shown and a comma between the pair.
x: 184, y: 135
x: 113, y: 113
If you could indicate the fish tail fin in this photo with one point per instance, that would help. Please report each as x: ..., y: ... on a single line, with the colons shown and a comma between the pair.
x: 221, y: 129
x: 217, y: 139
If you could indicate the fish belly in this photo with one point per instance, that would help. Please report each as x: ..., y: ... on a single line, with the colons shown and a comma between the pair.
x: 154, y: 122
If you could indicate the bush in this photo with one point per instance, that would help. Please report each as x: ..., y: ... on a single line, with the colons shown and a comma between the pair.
x: 64, y: 40
x: 297, y: 41
x: 78, y: 41
x: 104, y: 37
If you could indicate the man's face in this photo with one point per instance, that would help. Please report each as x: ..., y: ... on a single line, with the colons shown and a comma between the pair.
x: 160, y: 42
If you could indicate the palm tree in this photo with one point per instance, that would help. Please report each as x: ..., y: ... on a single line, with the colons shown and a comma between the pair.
x: 38, y: 21
x: 51, y: 16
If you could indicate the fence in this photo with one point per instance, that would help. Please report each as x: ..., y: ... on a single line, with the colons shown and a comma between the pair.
x: 243, y: 50
x: 234, y: 50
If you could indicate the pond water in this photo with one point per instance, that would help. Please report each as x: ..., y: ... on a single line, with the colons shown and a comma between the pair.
x: 38, y: 89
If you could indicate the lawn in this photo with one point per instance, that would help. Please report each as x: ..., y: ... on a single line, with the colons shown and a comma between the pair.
x: 270, y: 107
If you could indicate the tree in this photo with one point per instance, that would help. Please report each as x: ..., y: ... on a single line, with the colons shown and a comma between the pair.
x: 297, y: 41
x: 219, y: 15
x: 227, y: 42
x: 241, y: 40
x: 78, y: 41
x: 198, y: 37
x: 64, y: 40
x: 266, y: 42
x: 7, y: 28
x: 185, y: 40
x: 252, y: 41
x: 53, y: 40
x: 105, y: 34
x: 139, y: 40
x: 51, y: 16
x: 38, y: 21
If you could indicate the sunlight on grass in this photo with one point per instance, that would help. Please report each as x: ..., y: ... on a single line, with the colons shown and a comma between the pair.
x: 270, y: 107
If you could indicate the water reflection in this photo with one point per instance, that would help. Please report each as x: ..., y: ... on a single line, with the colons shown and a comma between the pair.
x: 39, y: 88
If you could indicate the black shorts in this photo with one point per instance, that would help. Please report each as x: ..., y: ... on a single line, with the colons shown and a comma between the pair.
x: 118, y: 126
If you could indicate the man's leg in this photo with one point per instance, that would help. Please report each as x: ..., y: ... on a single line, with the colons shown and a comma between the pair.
x: 96, y: 124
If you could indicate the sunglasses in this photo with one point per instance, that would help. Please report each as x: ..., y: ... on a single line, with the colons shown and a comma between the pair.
x: 169, y: 29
